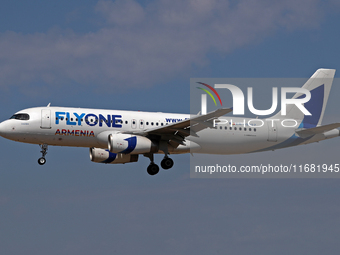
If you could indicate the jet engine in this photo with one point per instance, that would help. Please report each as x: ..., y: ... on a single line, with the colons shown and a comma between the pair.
x: 105, y: 156
x: 130, y: 144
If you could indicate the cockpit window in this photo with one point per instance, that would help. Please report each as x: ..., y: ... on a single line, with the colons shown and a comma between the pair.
x: 21, y: 116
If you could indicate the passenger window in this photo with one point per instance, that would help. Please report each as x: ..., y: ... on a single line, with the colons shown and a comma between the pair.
x: 254, y: 129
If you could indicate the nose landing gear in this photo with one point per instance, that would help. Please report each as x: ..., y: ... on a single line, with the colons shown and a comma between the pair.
x: 42, y: 160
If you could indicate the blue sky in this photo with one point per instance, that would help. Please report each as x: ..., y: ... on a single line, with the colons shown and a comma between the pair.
x: 140, y: 55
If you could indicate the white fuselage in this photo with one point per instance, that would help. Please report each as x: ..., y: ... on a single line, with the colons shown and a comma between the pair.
x: 79, y: 127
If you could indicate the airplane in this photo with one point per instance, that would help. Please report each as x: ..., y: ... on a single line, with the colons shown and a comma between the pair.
x: 116, y: 136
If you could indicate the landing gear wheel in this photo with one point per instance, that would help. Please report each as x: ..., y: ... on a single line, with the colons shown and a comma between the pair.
x: 153, y: 169
x: 167, y: 163
x: 43, y: 151
x: 41, y: 161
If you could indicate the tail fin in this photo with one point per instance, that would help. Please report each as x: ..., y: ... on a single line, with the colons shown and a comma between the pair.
x: 319, y: 86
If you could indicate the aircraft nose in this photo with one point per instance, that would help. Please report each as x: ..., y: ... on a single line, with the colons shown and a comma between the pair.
x: 4, y: 129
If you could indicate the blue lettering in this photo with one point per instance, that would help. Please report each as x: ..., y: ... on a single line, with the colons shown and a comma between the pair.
x: 57, y: 116
x: 68, y: 120
x: 88, y: 122
x: 114, y: 124
x: 91, y: 119
x: 79, y: 117
x: 107, y: 121
x: 170, y: 120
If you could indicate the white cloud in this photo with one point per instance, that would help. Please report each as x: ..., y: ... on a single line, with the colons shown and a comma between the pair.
x: 139, y: 46
x: 126, y: 12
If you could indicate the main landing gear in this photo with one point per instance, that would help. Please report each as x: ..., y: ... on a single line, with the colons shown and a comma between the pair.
x: 167, y: 163
x: 43, y: 151
x: 153, y: 168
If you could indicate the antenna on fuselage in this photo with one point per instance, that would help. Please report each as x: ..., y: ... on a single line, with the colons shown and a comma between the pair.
x: 48, y: 104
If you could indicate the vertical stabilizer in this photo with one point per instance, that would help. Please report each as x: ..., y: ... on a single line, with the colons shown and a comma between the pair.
x: 319, y: 86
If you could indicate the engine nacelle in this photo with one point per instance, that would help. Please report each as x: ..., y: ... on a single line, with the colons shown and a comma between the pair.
x: 105, y: 156
x: 130, y: 144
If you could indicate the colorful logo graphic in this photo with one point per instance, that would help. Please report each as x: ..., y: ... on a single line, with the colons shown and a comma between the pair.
x: 209, y: 93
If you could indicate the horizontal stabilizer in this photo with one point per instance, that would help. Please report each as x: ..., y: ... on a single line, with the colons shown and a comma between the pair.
x: 316, y: 130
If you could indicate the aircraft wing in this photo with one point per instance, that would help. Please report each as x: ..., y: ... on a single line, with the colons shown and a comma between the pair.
x: 316, y: 130
x: 175, y: 133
